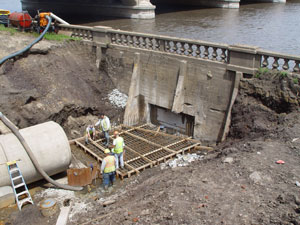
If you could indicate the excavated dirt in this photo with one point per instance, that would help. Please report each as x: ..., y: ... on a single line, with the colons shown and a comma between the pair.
x: 56, y: 81
x: 239, y: 183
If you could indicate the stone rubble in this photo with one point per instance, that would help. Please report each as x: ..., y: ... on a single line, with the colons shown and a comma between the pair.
x: 117, y: 98
x: 181, y: 160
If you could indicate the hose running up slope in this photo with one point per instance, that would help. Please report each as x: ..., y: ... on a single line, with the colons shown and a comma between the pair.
x: 28, y: 46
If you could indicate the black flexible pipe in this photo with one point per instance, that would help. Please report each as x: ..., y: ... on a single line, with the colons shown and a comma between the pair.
x: 30, y: 45
x: 16, y: 132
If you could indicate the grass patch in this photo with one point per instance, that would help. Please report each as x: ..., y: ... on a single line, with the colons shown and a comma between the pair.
x: 261, y: 71
x: 295, y: 80
x: 48, y: 36
x: 11, y: 30
x: 283, y: 74
x: 58, y: 37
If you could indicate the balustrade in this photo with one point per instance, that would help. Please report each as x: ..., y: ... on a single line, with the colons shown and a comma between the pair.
x: 78, y: 31
x: 184, y: 47
x: 279, y: 62
x: 176, y: 46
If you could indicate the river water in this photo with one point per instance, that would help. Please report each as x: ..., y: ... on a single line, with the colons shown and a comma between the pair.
x: 270, y: 26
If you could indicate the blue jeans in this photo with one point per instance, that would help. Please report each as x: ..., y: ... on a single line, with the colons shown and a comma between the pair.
x: 119, y: 158
x: 106, y: 135
x: 109, y: 178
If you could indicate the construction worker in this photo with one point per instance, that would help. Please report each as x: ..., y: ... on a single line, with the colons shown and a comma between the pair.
x: 108, y: 169
x: 104, y: 126
x: 90, y: 132
x: 118, y: 149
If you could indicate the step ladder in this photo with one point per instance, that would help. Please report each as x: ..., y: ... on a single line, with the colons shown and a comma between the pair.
x: 18, y: 184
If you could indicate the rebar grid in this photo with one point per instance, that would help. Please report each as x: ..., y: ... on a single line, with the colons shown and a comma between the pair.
x: 143, y: 148
x: 180, y: 145
x: 156, y: 138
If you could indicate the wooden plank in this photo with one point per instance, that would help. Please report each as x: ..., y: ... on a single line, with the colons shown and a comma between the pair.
x: 204, y: 148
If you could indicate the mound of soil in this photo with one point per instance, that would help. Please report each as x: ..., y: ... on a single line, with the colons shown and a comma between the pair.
x: 54, y: 81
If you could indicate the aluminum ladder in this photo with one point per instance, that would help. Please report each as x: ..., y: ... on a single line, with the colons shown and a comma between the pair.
x: 18, y: 184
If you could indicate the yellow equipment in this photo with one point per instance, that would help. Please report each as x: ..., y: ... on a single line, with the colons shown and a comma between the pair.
x: 4, y: 12
x: 43, y: 20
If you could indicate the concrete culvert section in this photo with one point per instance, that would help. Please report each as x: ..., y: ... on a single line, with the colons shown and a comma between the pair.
x: 48, y: 143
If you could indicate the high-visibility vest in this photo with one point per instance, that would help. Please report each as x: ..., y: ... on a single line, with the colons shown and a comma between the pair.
x: 104, y: 124
x: 109, y: 164
x: 90, y: 130
x: 119, y: 145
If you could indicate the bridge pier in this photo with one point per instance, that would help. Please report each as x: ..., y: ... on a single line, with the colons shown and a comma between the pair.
x: 135, y: 9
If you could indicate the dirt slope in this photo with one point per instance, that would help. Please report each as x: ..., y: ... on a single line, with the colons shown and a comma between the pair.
x: 56, y: 81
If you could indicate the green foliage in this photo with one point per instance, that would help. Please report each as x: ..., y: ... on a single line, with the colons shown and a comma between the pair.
x: 261, y: 71
x: 283, y: 74
x: 12, y: 31
x: 295, y: 80
x: 57, y: 37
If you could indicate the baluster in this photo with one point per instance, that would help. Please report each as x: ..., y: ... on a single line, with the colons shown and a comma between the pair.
x: 285, y: 64
x: 155, y: 44
x: 167, y: 46
x: 118, y: 39
x: 129, y: 40
x: 113, y: 38
x: 150, y: 44
x: 181, y: 48
x: 205, y: 52
x: 137, y: 43
x: 214, y: 54
x: 142, y: 42
x: 223, y: 55
x: 296, y: 67
x: 198, y: 52
x: 175, y: 47
x: 265, y: 63
x: 190, y: 49
x: 123, y: 39
x: 275, y: 64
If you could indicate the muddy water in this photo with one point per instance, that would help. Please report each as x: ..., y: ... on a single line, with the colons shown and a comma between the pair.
x: 270, y: 26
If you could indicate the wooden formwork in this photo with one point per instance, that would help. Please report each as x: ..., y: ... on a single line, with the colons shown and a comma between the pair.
x: 145, y: 147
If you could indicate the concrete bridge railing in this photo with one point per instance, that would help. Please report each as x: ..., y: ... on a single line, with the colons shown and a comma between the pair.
x: 190, y: 48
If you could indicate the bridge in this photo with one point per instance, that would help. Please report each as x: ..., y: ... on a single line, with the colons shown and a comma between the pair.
x: 137, y: 9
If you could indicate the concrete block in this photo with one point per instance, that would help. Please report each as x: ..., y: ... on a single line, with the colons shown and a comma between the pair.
x: 63, y: 216
x: 7, y: 196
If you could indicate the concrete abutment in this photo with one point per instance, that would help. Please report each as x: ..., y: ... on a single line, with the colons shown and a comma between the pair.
x: 187, y: 85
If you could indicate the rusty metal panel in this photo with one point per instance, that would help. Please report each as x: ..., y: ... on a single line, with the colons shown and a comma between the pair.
x: 79, y: 177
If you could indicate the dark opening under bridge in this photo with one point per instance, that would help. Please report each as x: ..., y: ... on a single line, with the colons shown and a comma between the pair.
x: 139, y: 9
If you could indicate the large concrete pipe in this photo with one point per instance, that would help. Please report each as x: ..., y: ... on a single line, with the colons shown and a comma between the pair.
x: 49, y: 145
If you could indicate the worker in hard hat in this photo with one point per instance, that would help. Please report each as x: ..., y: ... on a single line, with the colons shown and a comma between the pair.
x: 108, y: 169
x: 118, y: 149
x: 90, y: 133
x: 104, y: 126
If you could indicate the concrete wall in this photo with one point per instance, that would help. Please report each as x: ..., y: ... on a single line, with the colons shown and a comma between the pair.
x: 207, y: 86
